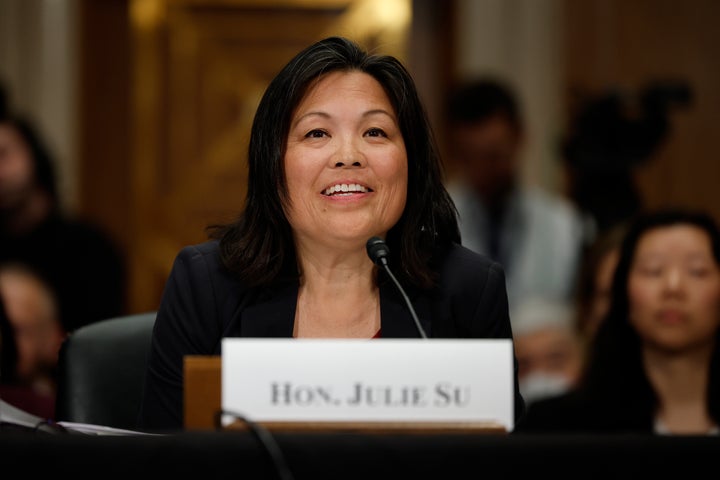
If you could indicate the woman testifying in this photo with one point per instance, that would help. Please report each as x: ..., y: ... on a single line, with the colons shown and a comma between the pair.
x: 340, y: 151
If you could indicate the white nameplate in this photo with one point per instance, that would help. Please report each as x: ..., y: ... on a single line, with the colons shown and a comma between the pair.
x: 384, y: 380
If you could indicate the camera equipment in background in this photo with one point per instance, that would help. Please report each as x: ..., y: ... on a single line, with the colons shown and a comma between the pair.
x: 609, y: 136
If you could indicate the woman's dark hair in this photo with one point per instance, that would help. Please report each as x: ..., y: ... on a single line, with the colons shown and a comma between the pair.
x: 594, y: 254
x: 258, y: 247
x: 615, y: 373
x: 43, y: 162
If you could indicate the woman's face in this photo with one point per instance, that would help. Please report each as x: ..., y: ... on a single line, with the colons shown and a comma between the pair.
x: 32, y: 313
x: 674, y: 288
x: 345, y: 162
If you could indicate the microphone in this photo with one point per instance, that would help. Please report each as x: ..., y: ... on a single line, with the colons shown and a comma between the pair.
x: 378, y: 252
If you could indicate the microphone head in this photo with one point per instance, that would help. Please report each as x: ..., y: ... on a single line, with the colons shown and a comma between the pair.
x: 377, y: 250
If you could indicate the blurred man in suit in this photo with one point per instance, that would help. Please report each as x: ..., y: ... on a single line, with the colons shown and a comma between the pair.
x: 536, y: 235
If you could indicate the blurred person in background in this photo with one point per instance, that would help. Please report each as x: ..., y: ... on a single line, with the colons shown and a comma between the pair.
x: 548, y: 348
x: 32, y: 337
x: 80, y: 262
x: 654, y: 366
x: 537, y: 236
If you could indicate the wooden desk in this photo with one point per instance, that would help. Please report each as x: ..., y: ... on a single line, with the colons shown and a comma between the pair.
x: 202, y: 391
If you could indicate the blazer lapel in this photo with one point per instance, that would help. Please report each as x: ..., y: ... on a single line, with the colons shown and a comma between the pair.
x: 273, y: 315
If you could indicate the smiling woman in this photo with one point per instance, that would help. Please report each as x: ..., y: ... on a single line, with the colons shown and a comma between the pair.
x: 340, y: 151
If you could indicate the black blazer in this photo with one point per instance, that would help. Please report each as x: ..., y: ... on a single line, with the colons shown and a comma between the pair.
x: 202, y: 303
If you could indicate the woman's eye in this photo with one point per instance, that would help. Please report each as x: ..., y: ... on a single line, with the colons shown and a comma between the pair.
x: 315, y: 134
x: 375, y: 132
x: 699, y: 271
x: 651, y: 271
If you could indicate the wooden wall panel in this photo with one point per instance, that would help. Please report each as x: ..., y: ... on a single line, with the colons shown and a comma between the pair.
x: 624, y: 44
x: 104, y: 116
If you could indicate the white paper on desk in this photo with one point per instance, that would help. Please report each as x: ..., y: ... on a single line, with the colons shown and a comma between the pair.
x: 16, y: 416
x: 385, y: 380
x: 93, y: 429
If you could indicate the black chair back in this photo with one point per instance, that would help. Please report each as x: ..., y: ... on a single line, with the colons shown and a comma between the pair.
x: 102, y: 371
